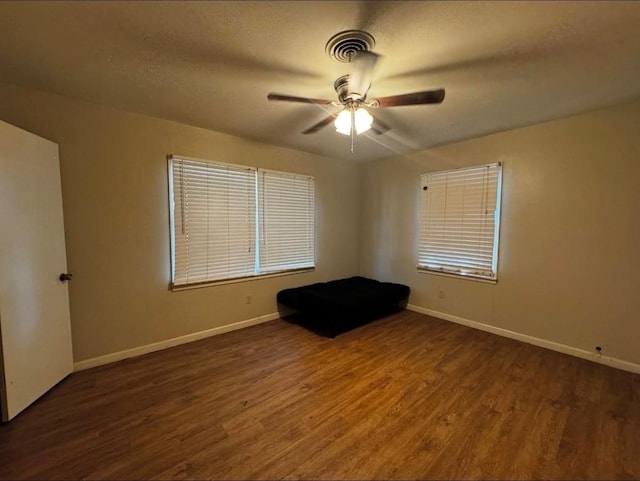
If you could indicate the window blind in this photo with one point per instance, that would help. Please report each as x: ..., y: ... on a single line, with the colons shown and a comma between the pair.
x: 459, y: 220
x: 213, y: 220
x: 286, y: 221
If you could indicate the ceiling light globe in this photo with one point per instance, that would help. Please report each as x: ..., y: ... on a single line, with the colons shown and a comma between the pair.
x: 343, y: 122
x: 363, y: 121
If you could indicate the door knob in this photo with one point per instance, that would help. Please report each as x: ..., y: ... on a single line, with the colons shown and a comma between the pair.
x: 65, y: 277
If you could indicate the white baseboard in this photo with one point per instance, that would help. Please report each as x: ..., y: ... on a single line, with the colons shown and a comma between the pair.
x: 176, y: 341
x: 536, y: 341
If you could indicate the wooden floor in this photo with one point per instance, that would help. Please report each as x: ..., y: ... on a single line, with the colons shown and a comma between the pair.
x: 406, y: 397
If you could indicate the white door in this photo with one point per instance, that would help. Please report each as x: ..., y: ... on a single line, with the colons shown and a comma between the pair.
x: 34, y: 304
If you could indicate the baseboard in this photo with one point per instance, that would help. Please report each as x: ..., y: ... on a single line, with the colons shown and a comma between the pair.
x: 536, y: 341
x: 176, y: 341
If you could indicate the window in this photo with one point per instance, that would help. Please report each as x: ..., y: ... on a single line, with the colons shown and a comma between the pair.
x: 286, y: 221
x: 459, y: 221
x: 231, y: 221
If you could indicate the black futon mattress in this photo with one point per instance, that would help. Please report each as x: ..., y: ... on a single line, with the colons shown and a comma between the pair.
x: 337, y: 306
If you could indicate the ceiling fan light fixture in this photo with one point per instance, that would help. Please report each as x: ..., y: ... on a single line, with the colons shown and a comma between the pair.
x: 362, y: 118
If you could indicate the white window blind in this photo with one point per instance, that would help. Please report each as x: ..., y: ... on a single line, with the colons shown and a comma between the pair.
x: 213, y: 220
x: 459, y: 221
x: 286, y: 221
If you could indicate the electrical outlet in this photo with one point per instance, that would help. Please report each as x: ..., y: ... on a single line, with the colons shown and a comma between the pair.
x: 247, y: 300
x: 442, y: 294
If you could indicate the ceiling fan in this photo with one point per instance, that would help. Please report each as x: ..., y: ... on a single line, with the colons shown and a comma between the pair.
x: 354, y: 47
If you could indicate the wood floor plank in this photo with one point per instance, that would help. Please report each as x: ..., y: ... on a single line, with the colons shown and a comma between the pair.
x: 405, y: 397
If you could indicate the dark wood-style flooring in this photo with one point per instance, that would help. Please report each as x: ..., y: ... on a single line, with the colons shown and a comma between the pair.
x: 408, y: 396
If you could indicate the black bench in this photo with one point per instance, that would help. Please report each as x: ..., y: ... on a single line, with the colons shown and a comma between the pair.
x: 331, y: 308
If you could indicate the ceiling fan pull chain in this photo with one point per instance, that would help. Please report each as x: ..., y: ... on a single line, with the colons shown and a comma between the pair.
x: 353, y: 128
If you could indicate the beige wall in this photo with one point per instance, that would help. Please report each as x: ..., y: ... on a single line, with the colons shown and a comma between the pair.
x: 569, y: 239
x: 569, y: 255
x: 114, y: 183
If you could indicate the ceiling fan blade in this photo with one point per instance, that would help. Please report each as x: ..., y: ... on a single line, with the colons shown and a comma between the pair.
x: 379, y: 127
x: 362, y: 66
x: 323, y: 123
x: 304, y: 100
x: 416, y: 98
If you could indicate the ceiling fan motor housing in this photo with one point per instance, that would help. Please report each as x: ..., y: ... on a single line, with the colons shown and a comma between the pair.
x: 341, y: 85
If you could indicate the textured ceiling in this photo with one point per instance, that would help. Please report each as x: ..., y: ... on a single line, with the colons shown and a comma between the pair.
x: 211, y: 64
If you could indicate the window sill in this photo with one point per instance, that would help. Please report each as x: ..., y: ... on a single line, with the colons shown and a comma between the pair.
x: 198, y: 285
x: 458, y: 276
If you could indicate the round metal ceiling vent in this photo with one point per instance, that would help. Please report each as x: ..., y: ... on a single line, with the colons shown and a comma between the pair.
x: 344, y: 45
